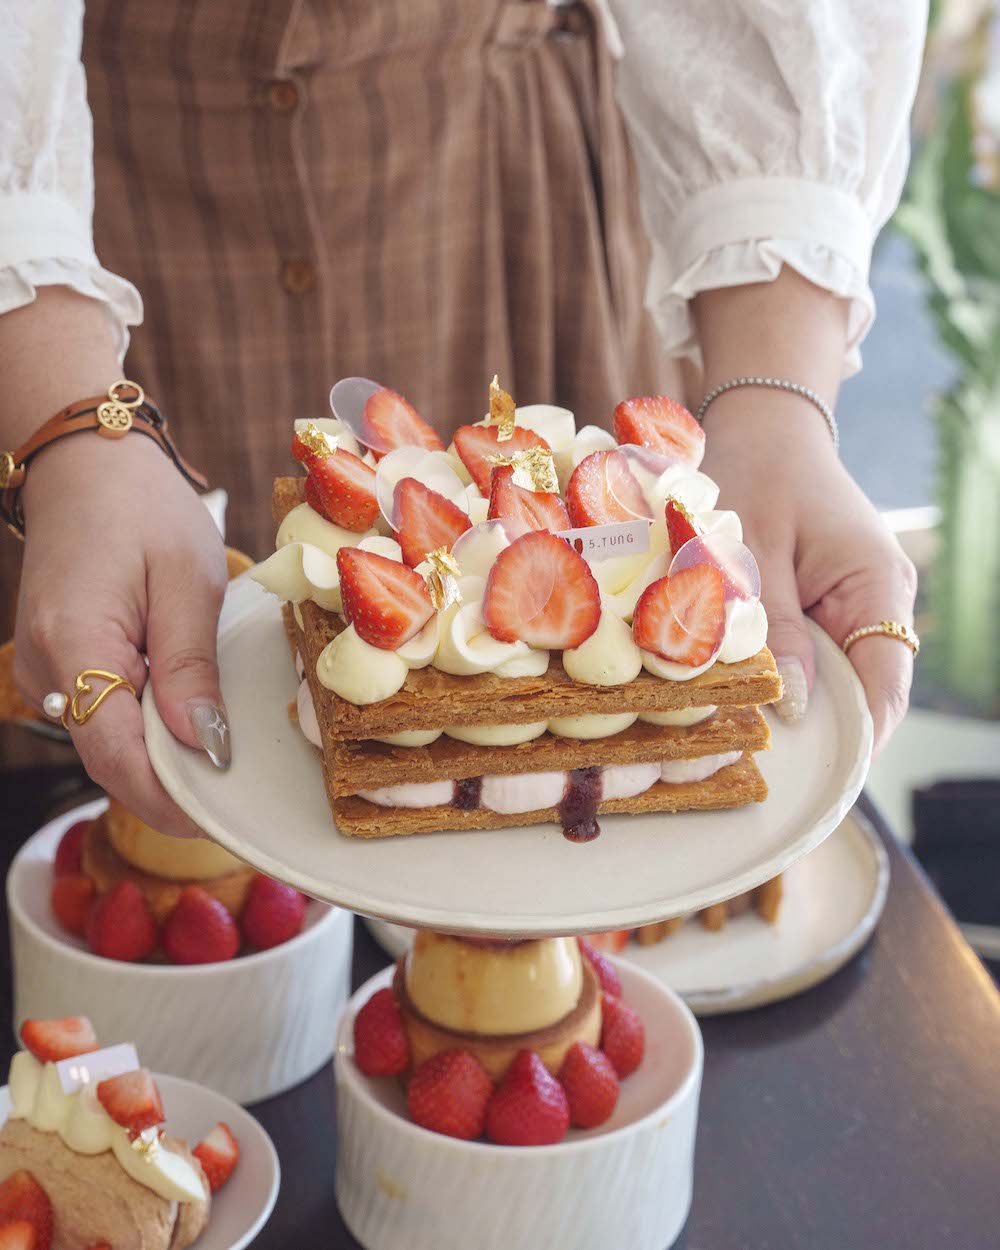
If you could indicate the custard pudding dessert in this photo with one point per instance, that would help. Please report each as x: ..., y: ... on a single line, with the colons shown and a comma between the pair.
x: 119, y: 847
x: 494, y: 999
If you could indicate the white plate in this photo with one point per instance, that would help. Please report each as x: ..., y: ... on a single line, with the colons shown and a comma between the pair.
x: 241, y: 1209
x: 833, y: 899
x: 270, y: 809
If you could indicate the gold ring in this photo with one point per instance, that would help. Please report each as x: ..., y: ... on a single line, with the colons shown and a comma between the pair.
x: 56, y: 704
x: 888, y: 629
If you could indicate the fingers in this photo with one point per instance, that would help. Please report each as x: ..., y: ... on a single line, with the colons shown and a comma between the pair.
x: 886, y: 590
x: 111, y: 744
x: 181, y: 627
x: 787, y: 635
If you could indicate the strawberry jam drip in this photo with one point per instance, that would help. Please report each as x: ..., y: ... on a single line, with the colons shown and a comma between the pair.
x: 578, y: 809
x: 466, y: 794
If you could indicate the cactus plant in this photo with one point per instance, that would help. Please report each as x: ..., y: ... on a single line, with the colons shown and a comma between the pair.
x: 951, y: 213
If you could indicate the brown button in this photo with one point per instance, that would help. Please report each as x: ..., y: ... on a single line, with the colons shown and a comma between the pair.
x: 282, y: 96
x: 298, y: 277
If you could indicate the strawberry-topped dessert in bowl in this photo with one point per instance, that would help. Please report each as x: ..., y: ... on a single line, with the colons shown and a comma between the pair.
x: 86, y: 1160
x: 536, y: 624
x: 498, y: 1093
x: 174, y: 942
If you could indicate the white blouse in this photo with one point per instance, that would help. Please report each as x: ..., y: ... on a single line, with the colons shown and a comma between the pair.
x: 766, y: 132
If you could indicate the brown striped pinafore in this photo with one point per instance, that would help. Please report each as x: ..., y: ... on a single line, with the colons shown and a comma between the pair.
x: 425, y: 192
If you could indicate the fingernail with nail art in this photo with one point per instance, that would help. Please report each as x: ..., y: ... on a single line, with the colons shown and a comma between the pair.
x: 795, y: 690
x: 211, y: 728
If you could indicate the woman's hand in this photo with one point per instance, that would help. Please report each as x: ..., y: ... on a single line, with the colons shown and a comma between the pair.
x: 822, y: 548
x: 122, y: 559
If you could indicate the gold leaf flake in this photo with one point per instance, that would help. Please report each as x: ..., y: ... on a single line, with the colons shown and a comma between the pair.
x: 319, y: 443
x: 534, y: 469
x: 442, y: 578
x: 502, y: 410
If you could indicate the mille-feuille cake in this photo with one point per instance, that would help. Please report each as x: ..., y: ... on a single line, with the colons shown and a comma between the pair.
x: 467, y: 662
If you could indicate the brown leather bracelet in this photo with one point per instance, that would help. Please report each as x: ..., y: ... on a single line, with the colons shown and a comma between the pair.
x: 124, y: 408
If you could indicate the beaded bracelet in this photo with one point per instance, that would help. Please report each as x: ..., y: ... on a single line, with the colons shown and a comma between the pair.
x: 777, y: 384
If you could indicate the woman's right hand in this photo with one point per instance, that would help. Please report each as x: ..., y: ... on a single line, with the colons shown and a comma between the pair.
x: 122, y: 560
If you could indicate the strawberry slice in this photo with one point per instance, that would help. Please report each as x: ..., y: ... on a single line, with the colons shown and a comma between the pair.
x: 426, y: 520
x: 386, y: 602
x: 390, y: 421
x: 19, y: 1235
x: 476, y: 443
x: 52, y: 1040
x: 342, y: 488
x: 535, y: 509
x: 132, y: 1100
x: 540, y: 591
x: 683, y: 617
x: 23, y: 1198
x: 604, y: 489
x: 218, y: 1153
x: 662, y: 425
x: 680, y: 525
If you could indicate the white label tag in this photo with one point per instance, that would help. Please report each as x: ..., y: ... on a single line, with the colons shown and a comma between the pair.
x: 601, y: 542
x: 99, y: 1065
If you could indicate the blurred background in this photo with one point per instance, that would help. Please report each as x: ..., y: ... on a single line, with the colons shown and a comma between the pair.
x: 921, y: 432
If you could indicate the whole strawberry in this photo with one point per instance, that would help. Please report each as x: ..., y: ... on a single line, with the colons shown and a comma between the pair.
x: 607, y: 974
x: 121, y: 924
x: 380, y: 1044
x: 200, y: 930
x: 69, y: 853
x: 529, y: 1107
x: 273, y: 913
x: 72, y: 898
x: 449, y: 1094
x: 591, y: 1084
x: 623, y: 1036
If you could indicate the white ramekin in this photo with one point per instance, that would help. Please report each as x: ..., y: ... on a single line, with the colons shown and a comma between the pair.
x: 250, y: 1028
x: 626, y: 1184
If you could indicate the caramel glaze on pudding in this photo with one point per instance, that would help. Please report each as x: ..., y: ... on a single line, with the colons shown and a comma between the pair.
x: 118, y: 847
x: 498, y: 999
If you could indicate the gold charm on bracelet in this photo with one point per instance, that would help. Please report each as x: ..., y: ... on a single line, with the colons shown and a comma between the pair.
x: 115, y: 414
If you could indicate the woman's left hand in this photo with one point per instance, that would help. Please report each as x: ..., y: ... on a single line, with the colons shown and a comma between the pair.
x: 822, y: 548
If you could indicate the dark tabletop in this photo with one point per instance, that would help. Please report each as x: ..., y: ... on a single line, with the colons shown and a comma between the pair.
x: 862, y: 1113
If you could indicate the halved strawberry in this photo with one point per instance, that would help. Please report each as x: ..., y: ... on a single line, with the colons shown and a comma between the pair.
x: 52, y: 1040
x: 540, y: 591
x: 390, y: 421
x: 476, y: 443
x: 683, y: 617
x: 20, y: 1235
x: 23, y: 1198
x: 132, y: 1099
x: 603, y: 489
x: 218, y: 1153
x: 386, y: 602
x: 342, y: 488
x: 426, y: 520
x: 680, y: 525
x: 662, y: 425
x: 536, y: 509
x: 71, y: 900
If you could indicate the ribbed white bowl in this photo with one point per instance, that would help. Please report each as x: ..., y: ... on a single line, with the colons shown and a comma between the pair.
x: 250, y: 1028
x: 624, y: 1185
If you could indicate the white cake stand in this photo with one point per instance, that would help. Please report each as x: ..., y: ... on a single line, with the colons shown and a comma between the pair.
x: 270, y: 809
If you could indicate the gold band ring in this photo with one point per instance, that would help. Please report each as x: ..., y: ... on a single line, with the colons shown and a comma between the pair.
x: 888, y: 629
x: 57, y: 704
